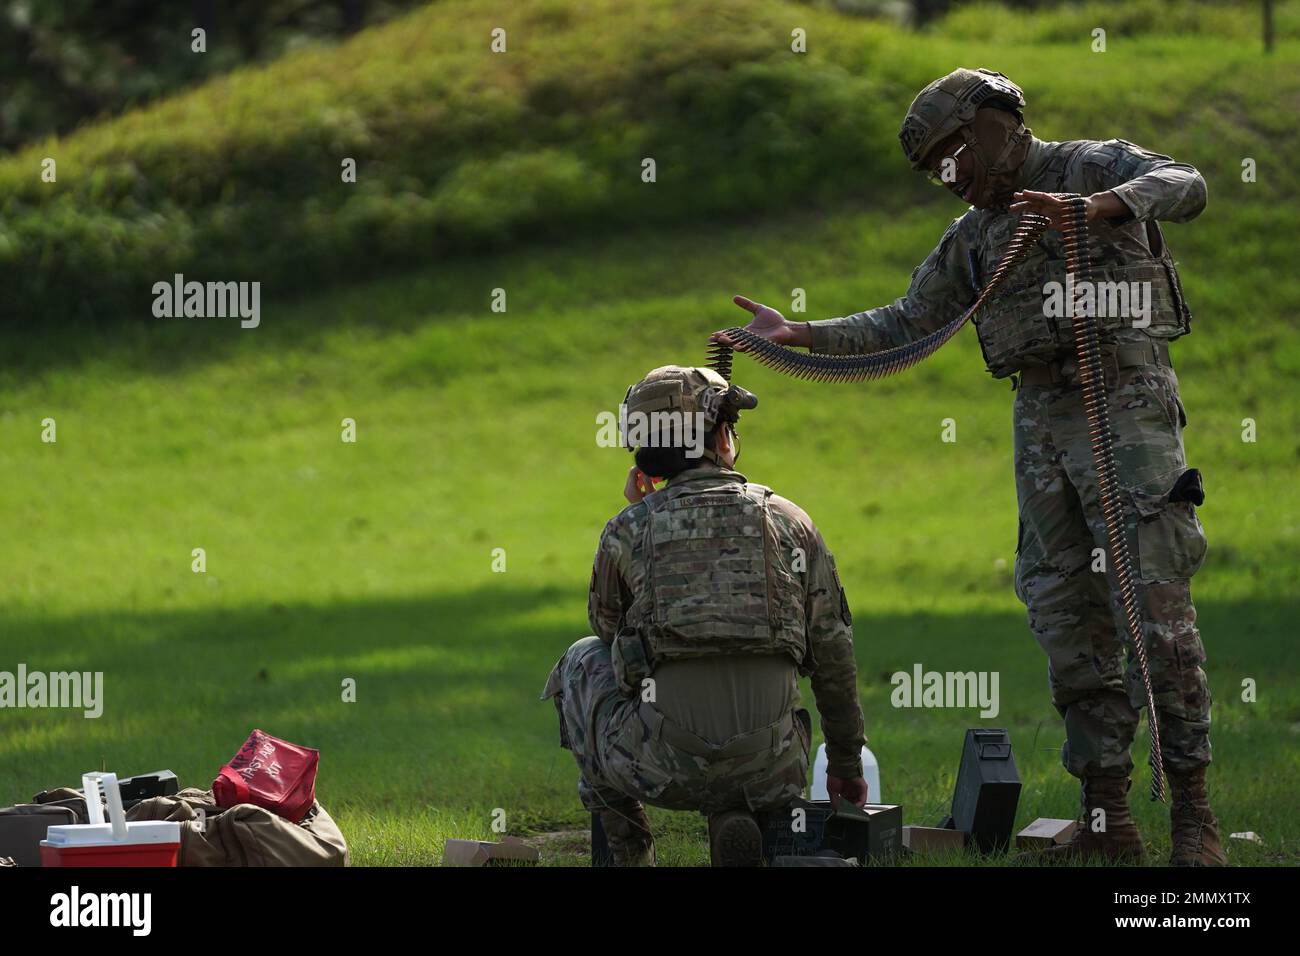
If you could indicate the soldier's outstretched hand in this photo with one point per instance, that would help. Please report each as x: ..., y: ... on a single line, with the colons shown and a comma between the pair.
x: 768, y: 323
x: 854, y: 790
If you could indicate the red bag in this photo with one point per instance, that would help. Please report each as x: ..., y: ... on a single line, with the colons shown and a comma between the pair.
x: 270, y: 773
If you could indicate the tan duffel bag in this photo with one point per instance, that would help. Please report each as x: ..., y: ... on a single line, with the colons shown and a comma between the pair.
x: 245, y: 835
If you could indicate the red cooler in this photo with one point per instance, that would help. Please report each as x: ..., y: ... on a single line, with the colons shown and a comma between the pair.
x: 115, y: 843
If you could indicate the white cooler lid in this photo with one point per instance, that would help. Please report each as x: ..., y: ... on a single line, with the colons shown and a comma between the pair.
x: 101, y: 834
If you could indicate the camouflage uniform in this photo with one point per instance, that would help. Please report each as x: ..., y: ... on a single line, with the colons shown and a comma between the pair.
x: 627, y: 751
x: 1070, y: 607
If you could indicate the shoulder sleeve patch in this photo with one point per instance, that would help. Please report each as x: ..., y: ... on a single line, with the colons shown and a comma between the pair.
x: 845, y: 615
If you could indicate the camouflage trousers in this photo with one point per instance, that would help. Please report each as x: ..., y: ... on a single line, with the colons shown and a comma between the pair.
x: 1074, y: 607
x: 627, y: 752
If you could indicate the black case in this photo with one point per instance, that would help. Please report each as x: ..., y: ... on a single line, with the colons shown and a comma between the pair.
x: 159, y: 783
x: 22, y: 828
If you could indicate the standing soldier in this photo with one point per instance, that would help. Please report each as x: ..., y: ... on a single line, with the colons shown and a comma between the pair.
x: 967, y: 131
x: 708, y: 599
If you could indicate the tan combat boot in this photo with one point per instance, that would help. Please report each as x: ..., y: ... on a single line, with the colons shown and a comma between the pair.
x: 1119, y: 842
x: 628, y: 833
x: 735, y: 839
x: 1193, y: 828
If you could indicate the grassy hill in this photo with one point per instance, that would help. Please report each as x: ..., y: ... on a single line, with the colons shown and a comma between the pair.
x: 476, y: 430
x: 458, y: 147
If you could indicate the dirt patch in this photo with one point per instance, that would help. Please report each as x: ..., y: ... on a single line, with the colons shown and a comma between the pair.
x: 561, y: 843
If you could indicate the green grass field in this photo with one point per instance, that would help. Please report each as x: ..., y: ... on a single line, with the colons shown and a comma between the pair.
x: 476, y: 431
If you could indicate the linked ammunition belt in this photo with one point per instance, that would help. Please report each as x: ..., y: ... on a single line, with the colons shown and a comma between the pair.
x: 1088, y: 359
x: 856, y: 368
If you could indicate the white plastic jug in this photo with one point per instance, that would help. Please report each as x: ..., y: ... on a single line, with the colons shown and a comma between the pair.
x: 870, y: 772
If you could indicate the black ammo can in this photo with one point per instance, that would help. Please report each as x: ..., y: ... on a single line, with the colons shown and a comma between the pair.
x: 780, y: 838
x: 987, y: 793
x: 873, y: 832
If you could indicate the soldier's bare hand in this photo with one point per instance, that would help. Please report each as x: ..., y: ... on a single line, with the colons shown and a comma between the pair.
x: 853, y: 790
x: 1056, y: 209
x: 768, y: 323
x: 638, y: 485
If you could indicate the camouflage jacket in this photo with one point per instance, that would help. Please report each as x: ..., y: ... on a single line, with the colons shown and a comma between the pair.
x: 828, y: 634
x: 1151, y: 185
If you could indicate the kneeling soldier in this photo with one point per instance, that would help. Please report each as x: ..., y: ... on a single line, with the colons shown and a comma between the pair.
x: 709, y: 598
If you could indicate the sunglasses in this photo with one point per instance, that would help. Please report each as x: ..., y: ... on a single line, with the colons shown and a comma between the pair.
x: 936, y: 175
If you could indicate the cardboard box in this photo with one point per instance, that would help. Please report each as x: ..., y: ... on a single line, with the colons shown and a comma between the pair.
x: 884, y: 829
x: 510, y: 851
x: 1045, y: 832
x: 933, y: 840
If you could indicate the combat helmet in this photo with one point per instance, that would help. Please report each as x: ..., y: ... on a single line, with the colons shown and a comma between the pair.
x: 682, y: 391
x: 949, y: 103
